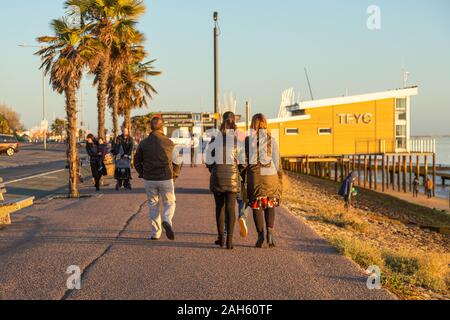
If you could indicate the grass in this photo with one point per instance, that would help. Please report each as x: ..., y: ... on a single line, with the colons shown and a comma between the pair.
x: 401, y: 271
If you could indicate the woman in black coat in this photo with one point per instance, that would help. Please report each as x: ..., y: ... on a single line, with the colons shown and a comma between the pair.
x: 95, y: 159
x: 264, y: 178
x: 225, y: 177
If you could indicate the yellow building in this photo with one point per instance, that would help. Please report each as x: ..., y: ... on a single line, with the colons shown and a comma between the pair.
x: 361, y: 124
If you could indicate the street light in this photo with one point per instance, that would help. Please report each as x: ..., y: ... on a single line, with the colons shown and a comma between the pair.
x: 43, y: 97
x: 216, y: 68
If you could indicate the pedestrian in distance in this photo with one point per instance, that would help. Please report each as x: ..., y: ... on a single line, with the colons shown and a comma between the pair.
x: 416, y: 186
x: 264, y: 178
x: 429, y: 188
x: 225, y: 183
x: 156, y: 163
x: 348, y: 190
x: 95, y: 159
x: 123, y: 151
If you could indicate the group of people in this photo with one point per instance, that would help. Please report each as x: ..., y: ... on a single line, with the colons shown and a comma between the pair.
x: 429, y: 185
x: 121, y: 149
x: 348, y: 191
x: 243, y: 179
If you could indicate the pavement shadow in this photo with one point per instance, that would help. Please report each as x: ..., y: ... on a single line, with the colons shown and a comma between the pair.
x: 193, y: 191
x: 120, y: 241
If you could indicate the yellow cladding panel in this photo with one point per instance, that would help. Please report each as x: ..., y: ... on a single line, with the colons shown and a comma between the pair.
x: 365, y: 127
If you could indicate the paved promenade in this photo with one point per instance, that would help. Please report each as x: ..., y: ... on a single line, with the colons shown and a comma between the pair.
x: 107, y: 236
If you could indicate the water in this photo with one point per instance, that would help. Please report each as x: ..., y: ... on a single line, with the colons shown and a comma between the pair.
x: 443, y: 151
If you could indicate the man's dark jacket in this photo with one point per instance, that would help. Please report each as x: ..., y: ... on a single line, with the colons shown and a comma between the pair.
x: 153, y: 159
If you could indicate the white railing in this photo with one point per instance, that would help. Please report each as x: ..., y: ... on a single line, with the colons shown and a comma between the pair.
x: 422, y: 145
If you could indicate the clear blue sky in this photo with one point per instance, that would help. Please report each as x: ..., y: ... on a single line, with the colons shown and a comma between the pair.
x: 264, y: 47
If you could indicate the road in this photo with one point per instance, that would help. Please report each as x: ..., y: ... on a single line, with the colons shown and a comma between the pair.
x: 107, y: 237
x: 33, y: 172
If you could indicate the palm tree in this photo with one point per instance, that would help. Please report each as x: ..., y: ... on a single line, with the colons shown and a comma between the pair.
x: 64, y: 57
x: 122, y: 55
x: 113, y: 21
x: 137, y: 90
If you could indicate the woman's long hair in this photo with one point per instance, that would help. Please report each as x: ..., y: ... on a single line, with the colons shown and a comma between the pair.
x: 228, y: 123
x: 263, y: 139
x: 259, y: 122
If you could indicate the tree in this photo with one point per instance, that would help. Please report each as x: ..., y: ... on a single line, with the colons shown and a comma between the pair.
x: 59, y: 127
x: 136, y: 90
x: 11, y: 117
x: 113, y: 21
x: 4, y: 125
x: 64, y: 57
x: 123, y: 54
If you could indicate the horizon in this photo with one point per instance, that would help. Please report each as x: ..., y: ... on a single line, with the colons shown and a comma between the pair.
x: 340, y: 52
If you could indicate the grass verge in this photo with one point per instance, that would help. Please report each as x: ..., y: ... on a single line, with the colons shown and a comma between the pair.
x: 402, y: 271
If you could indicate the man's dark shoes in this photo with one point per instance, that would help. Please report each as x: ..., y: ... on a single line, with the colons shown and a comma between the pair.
x: 169, y: 231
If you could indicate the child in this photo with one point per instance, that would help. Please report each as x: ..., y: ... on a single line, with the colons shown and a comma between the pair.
x: 347, y: 191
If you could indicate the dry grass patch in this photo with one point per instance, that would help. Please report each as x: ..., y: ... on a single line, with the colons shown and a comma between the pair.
x: 403, y: 271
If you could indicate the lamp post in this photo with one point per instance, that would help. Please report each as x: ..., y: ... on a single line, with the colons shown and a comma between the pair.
x: 43, y: 97
x: 216, y: 69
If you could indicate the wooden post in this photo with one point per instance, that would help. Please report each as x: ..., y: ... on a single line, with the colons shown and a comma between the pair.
x: 353, y: 163
x: 394, y: 169
x: 336, y: 165
x: 376, y: 172
x: 399, y: 186
x: 418, y: 167
x: 307, y: 165
x: 426, y: 172
x: 365, y: 171
x: 405, y: 171
x: 410, y: 174
x: 383, y: 163
x: 342, y: 169
x: 434, y: 174
x: 359, y: 170
x: 388, y: 172
x: 370, y: 172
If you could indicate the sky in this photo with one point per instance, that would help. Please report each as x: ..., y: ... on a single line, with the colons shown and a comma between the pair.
x: 264, y: 47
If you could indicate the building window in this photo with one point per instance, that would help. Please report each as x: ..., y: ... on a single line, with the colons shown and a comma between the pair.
x: 325, y: 131
x: 299, y: 112
x: 400, y: 109
x: 401, y: 143
x: 400, y: 131
x: 291, y: 131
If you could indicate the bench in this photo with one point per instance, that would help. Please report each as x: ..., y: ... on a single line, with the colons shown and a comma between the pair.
x: 8, y: 206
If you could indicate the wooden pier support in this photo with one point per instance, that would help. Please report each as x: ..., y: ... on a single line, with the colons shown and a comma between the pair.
x: 383, y: 172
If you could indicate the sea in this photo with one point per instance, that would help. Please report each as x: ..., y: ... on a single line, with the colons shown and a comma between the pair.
x: 443, y: 162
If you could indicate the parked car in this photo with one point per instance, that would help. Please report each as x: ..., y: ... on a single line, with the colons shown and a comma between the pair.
x: 8, y: 144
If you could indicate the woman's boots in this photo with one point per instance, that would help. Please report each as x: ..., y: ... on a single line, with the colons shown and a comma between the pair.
x: 260, y: 242
x: 271, y: 238
x: 220, y: 241
x: 230, y: 242
x: 223, y: 241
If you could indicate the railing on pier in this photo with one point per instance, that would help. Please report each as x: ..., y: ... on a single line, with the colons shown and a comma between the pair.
x: 422, y: 145
x: 380, y: 171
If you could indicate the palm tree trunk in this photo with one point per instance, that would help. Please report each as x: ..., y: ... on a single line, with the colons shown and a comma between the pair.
x: 115, y: 113
x: 102, y: 92
x: 72, y: 152
x: 128, y: 119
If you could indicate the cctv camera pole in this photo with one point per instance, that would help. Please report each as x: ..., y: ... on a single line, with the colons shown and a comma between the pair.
x: 216, y: 70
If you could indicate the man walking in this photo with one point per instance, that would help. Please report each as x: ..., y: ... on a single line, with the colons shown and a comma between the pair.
x: 154, y: 163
